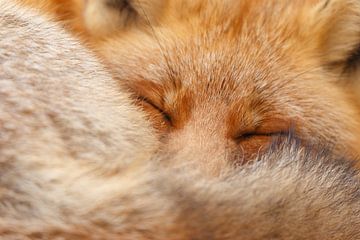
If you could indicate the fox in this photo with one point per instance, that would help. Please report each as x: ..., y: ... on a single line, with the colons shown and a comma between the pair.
x: 219, y: 79
x: 79, y: 159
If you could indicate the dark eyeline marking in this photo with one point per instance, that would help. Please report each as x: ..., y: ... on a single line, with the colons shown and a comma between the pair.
x: 353, y: 61
x: 165, y: 115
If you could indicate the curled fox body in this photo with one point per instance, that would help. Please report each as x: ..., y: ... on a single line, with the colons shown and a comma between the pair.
x: 219, y: 79
x: 79, y: 161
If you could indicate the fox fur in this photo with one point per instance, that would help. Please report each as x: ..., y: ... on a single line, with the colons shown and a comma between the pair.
x: 78, y: 160
x: 70, y: 104
x: 218, y: 79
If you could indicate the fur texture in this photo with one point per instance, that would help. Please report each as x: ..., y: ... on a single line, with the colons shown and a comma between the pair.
x: 77, y: 161
x: 68, y: 103
x: 219, y: 79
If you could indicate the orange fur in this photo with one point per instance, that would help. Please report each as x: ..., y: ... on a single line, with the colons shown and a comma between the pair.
x: 228, y: 75
x: 79, y: 161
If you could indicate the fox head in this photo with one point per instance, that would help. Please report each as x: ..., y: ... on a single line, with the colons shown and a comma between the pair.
x: 220, y: 78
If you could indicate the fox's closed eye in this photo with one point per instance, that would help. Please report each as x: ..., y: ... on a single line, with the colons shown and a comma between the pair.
x: 156, y: 112
x: 252, y: 143
x: 249, y: 135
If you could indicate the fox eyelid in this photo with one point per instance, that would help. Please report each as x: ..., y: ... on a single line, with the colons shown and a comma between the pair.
x: 248, y: 135
x: 165, y: 115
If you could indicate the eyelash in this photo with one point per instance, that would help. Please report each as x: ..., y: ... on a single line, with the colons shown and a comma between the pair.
x: 165, y: 115
x: 249, y: 135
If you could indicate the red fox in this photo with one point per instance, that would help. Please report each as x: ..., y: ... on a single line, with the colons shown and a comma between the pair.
x: 78, y: 160
x: 221, y: 78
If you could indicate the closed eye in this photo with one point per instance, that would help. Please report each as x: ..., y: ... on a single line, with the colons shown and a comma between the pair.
x: 249, y: 135
x: 147, y: 103
x: 253, y: 143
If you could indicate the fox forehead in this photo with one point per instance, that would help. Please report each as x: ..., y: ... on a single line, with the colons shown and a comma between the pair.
x: 202, y: 50
x: 207, y: 65
x: 228, y: 71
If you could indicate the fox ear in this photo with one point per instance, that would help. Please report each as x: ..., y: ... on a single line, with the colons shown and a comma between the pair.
x: 332, y: 28
x: 105, y: 17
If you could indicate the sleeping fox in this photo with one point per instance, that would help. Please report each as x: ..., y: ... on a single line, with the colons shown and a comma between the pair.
x: 79, y: 161
x: 218, y: 79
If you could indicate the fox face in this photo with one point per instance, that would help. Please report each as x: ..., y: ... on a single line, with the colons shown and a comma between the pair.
x: 220, y: 79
